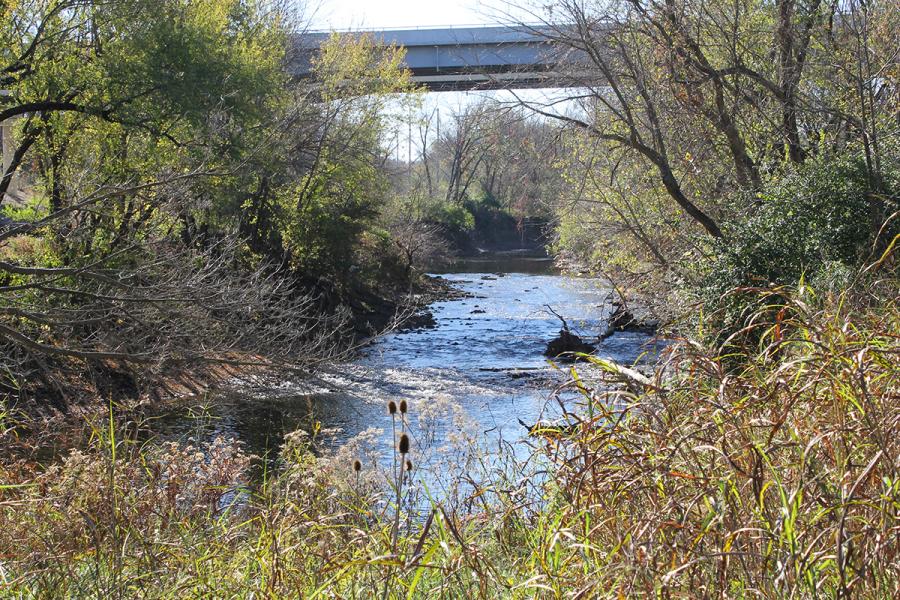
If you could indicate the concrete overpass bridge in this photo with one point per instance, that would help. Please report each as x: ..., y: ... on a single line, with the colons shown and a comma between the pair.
x: 440, y: 59
x: 463, y: 58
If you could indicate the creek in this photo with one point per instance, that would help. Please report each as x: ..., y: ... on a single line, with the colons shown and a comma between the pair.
x: 484, y: 356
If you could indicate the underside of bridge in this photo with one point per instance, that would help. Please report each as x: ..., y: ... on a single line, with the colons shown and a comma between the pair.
x: 467, y: 58
x: 465, y: 79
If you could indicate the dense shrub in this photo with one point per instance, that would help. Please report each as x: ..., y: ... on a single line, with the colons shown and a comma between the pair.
x: 819, y: 217
x: 817, y: 224
x: 452, y: 216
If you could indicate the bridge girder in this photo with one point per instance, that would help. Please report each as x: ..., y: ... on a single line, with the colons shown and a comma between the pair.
x: 469, y: 58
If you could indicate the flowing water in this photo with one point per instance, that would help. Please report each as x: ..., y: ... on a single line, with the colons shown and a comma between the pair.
x: 484, y: 356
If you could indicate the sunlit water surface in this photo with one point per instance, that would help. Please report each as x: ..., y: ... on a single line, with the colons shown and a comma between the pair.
x: 481, y: 370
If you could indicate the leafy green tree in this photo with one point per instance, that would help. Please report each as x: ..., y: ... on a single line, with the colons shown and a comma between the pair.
x: 339, y: 192
x: 810, y: 223
x: 183, y: 187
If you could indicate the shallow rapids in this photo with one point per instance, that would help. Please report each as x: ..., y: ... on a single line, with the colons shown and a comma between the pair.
x: 481, y: 369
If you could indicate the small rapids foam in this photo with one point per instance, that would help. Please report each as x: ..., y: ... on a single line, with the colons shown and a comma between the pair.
x: 469, y: 381
x: 373, y: 384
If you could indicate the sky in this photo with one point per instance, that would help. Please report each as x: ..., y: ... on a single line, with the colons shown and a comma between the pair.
x: 386, y: 14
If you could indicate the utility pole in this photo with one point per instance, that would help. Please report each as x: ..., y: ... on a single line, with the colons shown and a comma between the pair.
x: 6, y: 147
x: 409, y: 145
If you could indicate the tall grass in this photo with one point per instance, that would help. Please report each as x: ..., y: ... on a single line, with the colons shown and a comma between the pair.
x: 764, y: 467
x: 768, y: 471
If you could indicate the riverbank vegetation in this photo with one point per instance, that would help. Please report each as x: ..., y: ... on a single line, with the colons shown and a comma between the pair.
x: 189, y: 204
x: 480, y: 183
x: 772, y: 478
x: 180, y: 200
x: 727, y: 130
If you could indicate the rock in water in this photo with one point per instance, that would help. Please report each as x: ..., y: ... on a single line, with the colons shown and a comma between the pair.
x: 621, y: 316
x: 623, y: 319
x: 567, y: 343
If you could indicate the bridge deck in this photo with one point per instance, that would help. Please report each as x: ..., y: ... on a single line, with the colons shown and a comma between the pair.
x: 462, y: 58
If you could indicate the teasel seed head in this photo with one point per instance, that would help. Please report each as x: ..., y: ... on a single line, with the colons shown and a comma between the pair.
x: 357, y: 466
x: 403, y: 407
x: 409, y: 465
x: 392, y: 407
x: 403, y: 446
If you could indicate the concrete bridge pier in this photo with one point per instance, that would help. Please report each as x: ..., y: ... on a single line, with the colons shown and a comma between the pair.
x: 7, y: 142
x: 7, y: 151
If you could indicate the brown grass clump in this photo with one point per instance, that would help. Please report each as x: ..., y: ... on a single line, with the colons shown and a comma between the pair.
x: 768, y: 472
